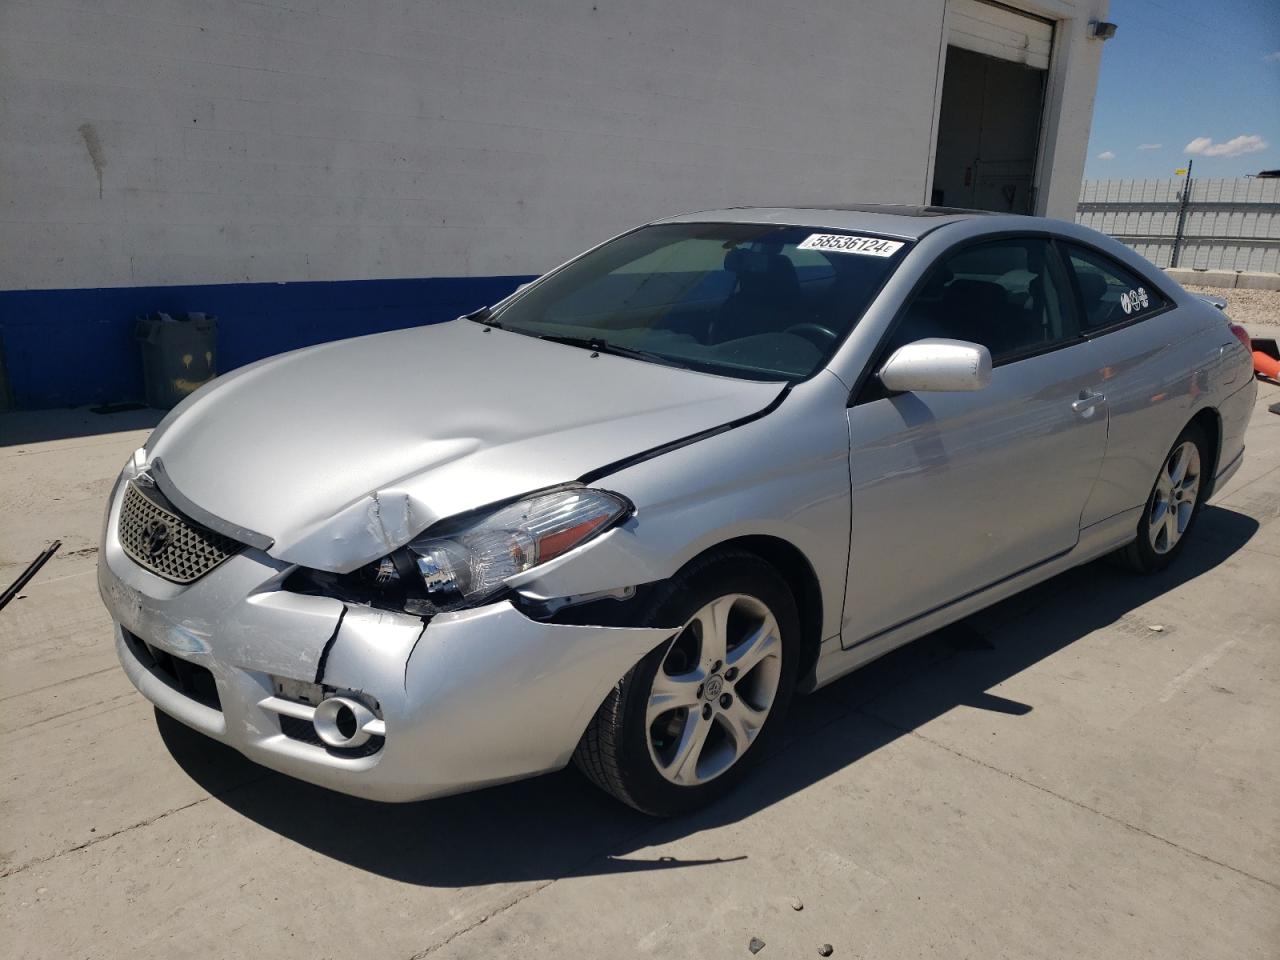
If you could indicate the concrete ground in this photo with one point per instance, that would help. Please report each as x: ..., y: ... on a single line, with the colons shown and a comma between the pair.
x: 1088, y: 770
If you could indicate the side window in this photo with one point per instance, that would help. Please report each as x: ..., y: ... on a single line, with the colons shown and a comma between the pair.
x: 1007, y: 295
x: 1109, y: 293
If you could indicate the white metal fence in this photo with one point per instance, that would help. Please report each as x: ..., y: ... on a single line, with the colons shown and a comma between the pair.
x: 1226, y: 224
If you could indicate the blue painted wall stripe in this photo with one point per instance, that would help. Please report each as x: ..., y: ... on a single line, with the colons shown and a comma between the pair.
x: 73, y: 347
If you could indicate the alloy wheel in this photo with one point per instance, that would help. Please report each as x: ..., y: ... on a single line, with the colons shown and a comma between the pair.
x: 714, y: 690
x: 1174, y: 501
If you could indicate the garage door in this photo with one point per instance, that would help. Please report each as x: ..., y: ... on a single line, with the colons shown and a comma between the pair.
x: 998, y: 31
x: 992, y: 104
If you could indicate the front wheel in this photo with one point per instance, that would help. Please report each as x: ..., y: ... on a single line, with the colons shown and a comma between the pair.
x: 1173, y: 506
x: 680, y: 729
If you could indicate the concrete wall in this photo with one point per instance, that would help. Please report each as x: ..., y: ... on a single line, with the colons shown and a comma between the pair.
x: 1073, y: 82
x: 155, y: 144
x: 1230, y: 225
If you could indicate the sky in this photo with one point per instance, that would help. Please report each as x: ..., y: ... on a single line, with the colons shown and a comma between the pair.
x: 1184, y: 79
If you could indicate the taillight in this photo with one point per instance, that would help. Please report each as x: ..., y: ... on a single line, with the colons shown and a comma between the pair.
x: 1242, y: 335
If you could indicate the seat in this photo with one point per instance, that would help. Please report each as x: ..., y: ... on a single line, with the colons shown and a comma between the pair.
x: 1093, y: 289
x: 976, y: 310
x: 766, y: 298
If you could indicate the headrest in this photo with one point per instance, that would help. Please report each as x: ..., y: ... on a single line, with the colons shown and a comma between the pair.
x: 741, y: 260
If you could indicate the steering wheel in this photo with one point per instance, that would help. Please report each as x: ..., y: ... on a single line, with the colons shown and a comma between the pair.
x: 815, y: 333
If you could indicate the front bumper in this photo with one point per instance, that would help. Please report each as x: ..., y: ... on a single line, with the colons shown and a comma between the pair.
x: 472, y: 698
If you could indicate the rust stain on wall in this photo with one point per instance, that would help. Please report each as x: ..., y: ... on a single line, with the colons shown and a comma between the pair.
x: 94, y: 146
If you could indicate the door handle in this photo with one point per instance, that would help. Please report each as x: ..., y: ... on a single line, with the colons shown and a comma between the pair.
x: 1087, y: 401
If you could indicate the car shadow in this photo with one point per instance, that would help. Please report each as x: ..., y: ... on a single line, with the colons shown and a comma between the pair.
x: 558, y: 825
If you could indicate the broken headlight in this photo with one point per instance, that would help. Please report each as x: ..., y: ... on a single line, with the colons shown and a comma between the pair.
x: 461, y: 562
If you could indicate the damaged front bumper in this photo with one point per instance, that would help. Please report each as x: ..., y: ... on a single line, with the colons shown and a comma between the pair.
x: 470, y: 698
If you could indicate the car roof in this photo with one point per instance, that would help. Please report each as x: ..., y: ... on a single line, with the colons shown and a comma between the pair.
x: 908, y: 221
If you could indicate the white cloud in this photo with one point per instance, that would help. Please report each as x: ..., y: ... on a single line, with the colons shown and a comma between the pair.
x: 1245, y: 143
x: 1272, y: 57
x: 1150, y: 146
x: 1107, y: 155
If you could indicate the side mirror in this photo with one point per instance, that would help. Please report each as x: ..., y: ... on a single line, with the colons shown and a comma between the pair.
x: 937, y: 365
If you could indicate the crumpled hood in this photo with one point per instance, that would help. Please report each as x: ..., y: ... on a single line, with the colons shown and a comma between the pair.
x: 343, y: 452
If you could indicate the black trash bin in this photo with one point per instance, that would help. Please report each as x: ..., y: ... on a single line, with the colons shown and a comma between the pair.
x: 179, y: 354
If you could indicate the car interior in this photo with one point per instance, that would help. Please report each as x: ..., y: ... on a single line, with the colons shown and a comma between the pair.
x: 1102, y: 285
x: 1002, y: 295
x: 750, y: 300
x: 760, y: 305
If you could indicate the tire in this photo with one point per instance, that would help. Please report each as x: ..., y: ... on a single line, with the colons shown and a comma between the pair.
x: 1159, y: 542
x: 640, y: 748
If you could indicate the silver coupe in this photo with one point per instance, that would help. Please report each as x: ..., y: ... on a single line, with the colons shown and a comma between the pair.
x: 623, y: 516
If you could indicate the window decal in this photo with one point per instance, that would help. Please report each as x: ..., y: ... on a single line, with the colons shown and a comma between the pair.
x: 1135, y: 300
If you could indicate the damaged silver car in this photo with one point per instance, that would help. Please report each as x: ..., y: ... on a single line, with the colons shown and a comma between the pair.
x: 623, y: 516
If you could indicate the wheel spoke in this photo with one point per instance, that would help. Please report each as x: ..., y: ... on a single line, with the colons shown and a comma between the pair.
x: 1171, y: 525
x: 1159, y: 515
x: 759, y: 644
x: 743, y: 722
x: 1178, y: 464
x: 684, y: 764
x: 714, y: 618
x: 1184, y: 516
x: 670, y: 693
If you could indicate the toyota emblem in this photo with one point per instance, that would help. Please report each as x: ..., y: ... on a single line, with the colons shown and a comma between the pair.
x: 155, y: 537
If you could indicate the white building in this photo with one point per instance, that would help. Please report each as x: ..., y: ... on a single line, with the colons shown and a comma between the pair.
x: 178, y: 153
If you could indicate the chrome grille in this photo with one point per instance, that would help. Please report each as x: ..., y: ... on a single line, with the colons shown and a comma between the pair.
x: 169, y: 545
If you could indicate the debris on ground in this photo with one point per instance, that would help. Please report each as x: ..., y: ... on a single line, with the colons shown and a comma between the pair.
x: 32, y: 569
x: 756, y: 945
x: 796, y: 904
x: 1156, y: 627
x: 123, y: 407
x: 826, y: 950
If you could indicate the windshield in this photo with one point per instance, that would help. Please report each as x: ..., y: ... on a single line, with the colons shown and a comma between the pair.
x: 756, y: 301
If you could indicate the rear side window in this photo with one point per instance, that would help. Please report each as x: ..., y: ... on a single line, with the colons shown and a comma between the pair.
x: 1007, y: 295
x: 1109, y: 293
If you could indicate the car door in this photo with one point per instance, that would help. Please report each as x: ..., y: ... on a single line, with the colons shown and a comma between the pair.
x: 953, y: 492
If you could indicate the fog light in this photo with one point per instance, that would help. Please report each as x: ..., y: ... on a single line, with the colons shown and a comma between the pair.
x: 340, y: 722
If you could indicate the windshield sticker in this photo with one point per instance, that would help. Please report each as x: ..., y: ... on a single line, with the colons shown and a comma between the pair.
x: 1135, y: 300
x: 839, y: 243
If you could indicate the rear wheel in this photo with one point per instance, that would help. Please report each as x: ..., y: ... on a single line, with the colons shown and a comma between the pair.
x: 1173, y: 506
x: 680, y: 729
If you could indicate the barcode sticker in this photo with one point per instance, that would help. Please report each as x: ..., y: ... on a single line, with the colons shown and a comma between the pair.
x: 841, y: 243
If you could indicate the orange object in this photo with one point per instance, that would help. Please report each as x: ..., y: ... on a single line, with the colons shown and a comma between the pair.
x: 1269, y: 367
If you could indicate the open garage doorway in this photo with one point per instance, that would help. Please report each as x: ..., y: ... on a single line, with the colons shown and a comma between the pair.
x: 992, y: 106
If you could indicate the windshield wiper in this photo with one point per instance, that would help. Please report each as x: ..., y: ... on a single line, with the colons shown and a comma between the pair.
x: 604, y: 346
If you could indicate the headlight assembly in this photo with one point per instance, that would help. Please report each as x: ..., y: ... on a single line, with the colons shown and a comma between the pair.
x: 462, y: 561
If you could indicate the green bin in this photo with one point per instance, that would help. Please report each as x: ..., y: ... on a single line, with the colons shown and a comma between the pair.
x: 179, y: 354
